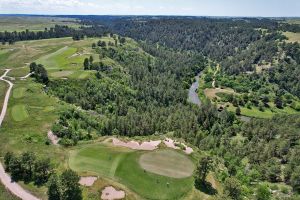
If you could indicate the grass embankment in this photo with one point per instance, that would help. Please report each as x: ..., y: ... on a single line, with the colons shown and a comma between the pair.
x: 122, y: 165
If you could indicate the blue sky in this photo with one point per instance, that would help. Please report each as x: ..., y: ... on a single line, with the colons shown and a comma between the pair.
x: 264, y: 8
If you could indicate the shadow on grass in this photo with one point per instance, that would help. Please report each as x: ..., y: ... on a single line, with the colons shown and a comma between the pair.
x: 206, y: 188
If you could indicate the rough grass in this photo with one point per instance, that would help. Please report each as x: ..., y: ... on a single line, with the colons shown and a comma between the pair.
x: 3, y: 88
x: 19, y: 72
x: 21, y: 23
x: 292, y: 37
x: 167, y: 163
x: 122, y: 165
x: 19, y: 92
x: 31, y: 133
x: 5, y: 194
x: 19, y: 112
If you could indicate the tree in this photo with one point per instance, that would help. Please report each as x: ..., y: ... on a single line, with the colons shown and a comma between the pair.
x: 91, y: 59
x: 94, y: 45
x: 32, y: 67
x: 7, y: 158
x: 278, y: 102
x: 27, y: 160
x: 70, y: 186
x: 263, y: 192
x: 86, y: 64
x: 238, y: 111
x: 15, y: 168
x: 295, y: 179
x: 233, y: 188
x: 54, y: 188
x: 203, y: 168
x: 42, y: 170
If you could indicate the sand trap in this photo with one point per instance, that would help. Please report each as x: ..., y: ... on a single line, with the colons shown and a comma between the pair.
x: 135, y: 145
x: 172, y: 144
x: 53, y: 138
x: 110, y: 193
x: 87, y: 181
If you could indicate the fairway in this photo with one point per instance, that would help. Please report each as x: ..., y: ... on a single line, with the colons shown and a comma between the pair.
x: 19, y: 92
x: 122, y: 165
x: 19, y: 112
x: 167, y: 163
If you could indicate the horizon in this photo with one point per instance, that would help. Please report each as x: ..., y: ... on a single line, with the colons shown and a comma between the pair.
x: 191, y: 8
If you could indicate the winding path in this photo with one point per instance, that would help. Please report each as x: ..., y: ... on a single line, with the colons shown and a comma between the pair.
x: 13, y: 187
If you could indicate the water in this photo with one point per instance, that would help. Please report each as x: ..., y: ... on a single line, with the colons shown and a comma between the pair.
x: 193, y: 94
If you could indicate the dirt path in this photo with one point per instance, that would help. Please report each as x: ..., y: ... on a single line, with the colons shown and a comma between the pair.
x: 215, y: 73
x: 13, y: 187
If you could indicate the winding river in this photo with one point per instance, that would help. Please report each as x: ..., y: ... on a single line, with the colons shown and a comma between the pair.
x: 193, y: 91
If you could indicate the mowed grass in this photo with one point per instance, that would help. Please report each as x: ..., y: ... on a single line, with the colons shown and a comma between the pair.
x: 122, y: 165
x: 292, y: 37
x: 19, y: 112
x: 19, y: 92
x: 33, y: 23
x: 167, y: 163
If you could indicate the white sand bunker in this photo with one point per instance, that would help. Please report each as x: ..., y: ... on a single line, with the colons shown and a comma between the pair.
x: 175, y: 145
x: 110, y: 193
x: 135, y: 145
x: 87, y: 181
x: 53, y: 138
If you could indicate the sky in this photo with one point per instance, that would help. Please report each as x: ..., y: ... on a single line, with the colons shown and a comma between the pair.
x: 256, y: 8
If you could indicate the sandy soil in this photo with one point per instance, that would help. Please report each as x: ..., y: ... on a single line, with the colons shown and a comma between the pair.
x: 110, y: 193
x: 53, y: 138
x: 87, y: 181
x: 152, y: 145
x: 171, y: 144
x: 135, y: 145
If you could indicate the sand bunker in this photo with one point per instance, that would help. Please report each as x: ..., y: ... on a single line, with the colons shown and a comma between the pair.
x: 87, y: 181
x: 110, y: 193
x: 172, y: 144
x: 135, y: 145
x: 53, y: 138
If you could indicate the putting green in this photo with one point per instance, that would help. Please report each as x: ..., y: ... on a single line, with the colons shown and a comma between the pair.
x: 167, y: 163
x: 19, y: 92
x: 19, y: 112
x: 122, y: 165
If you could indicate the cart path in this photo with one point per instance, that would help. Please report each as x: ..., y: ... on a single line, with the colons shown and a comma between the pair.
x: 13, y: 187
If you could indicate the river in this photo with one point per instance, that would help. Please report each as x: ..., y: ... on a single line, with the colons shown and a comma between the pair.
x: 193, y: 91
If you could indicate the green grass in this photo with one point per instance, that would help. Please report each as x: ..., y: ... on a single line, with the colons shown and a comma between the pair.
x: 19, y: 92
x: 30, y: 134
x: 167, y: 163
x: 122, y: 165
x: 19, y: 112
x: 3, y: 88
x: 5, y: 194
x: 19, y: 72
x: 16, y: 23
x: 267, y: 113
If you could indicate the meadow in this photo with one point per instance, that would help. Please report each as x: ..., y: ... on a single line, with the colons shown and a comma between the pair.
x: 21, y: 23
x: 292, y: 37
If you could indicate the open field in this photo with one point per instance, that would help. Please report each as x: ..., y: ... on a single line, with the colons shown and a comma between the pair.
x: 122, y: 165
x: 292, y: 37
x: 19, y: 112
x: 21, y: 23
